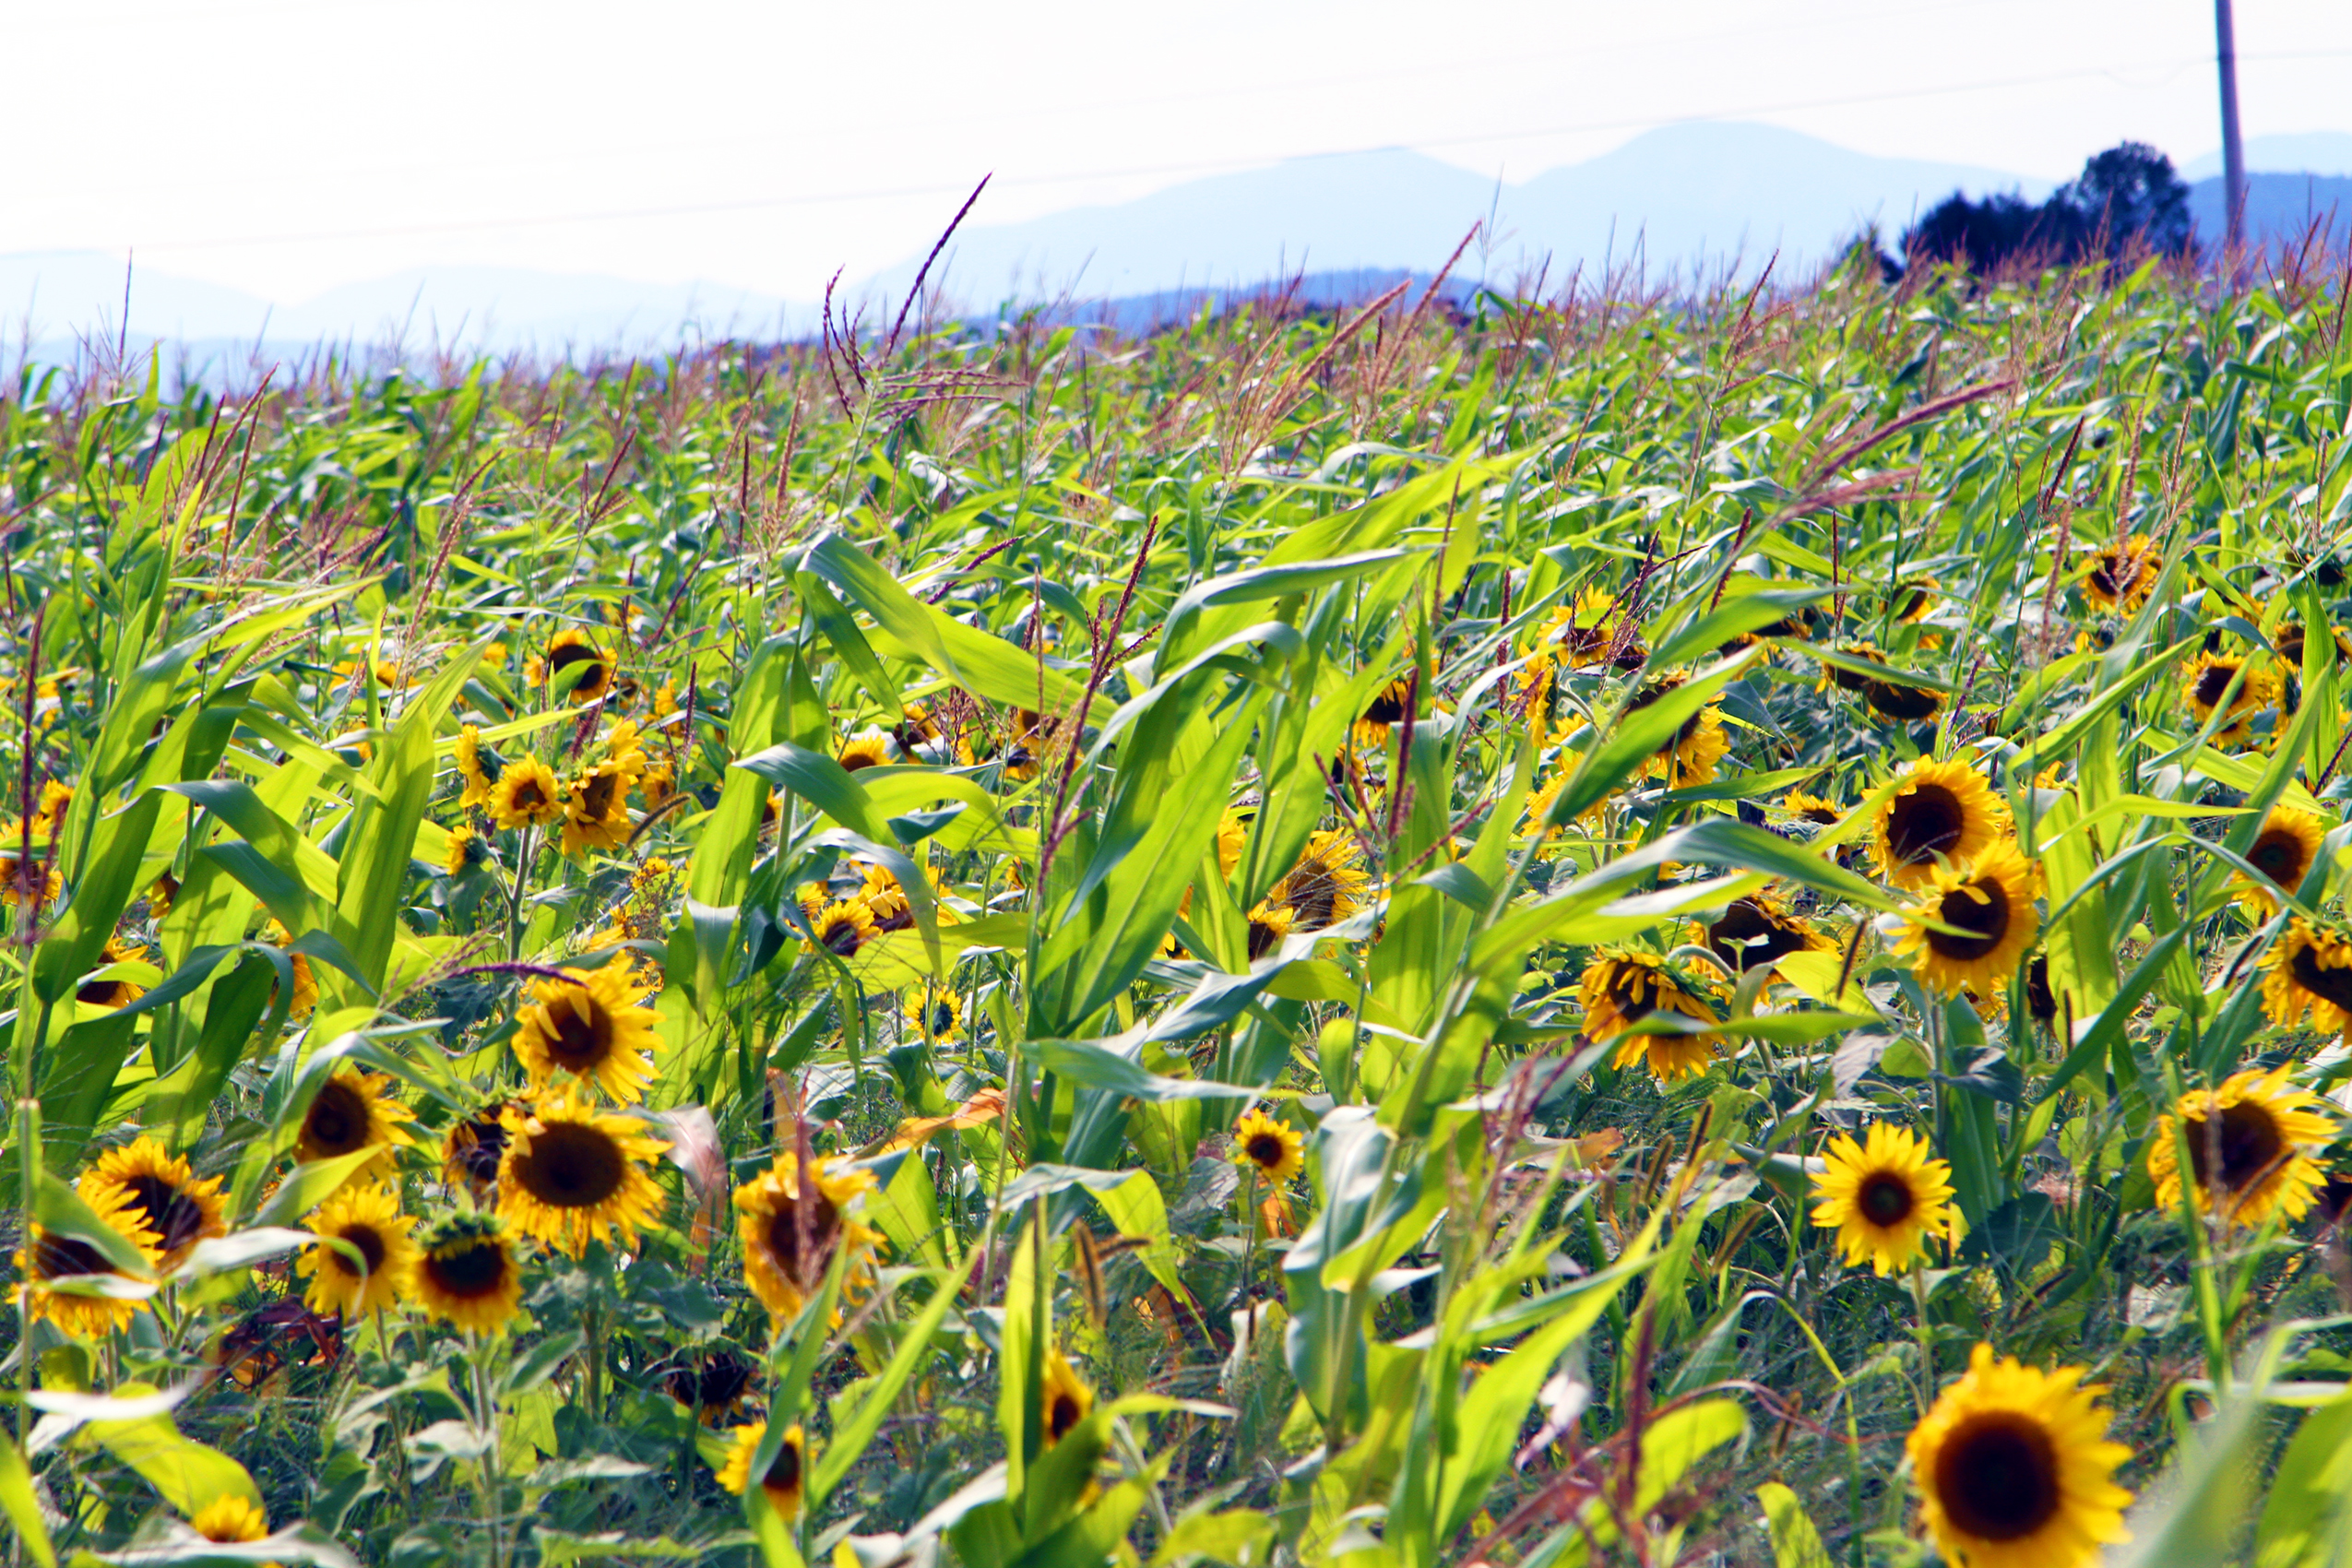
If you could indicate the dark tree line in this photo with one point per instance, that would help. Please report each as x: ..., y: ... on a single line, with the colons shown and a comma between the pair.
x: 2126, y: 198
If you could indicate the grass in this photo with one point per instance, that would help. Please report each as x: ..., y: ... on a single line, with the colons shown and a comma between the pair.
x: 1208, y: 949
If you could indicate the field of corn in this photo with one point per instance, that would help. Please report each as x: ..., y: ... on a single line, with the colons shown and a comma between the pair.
x: 1645, y: 929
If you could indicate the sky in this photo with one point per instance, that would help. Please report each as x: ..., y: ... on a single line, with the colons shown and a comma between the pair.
x: 286, y: 146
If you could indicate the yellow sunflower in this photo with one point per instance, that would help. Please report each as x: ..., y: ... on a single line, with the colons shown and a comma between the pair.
x: 1913, y: 599
x: 352, y: 1110
x: 53, y: 1257
x: 573, y: 651
x: 116, y: 993
x: 2206, y: 684
x: 936, y: 1015
x: 1327, y: 884
x: 1066, y: 1398
x: 782, y: 1484
x: 1621, y: 988
x: 1689, y: 757
x: 624, y: 747
x: 1538, y: 808
x: 26, y: 880
x: 57, y: 799
x: 844, y: 927
x: 2310, y: 970
x: 790, y: 1239
x: 1904, y: 702
x: 1816, y: 809
x: 466, y: 1274
x: 474, y: 1149
x: 713, y: 1385
x: 2251, y: 1146
x: 305, y: 995
x: 1940, y: 808
x: 596, y: 809
x: 1385, y: 711
x: 1756, y: 932
x: 2015, y: 1468
x: 1268, y: 924
x: 1583, y: 634
x: 1991, y: 899
x: 367, y: 1216
x: 230, y: 1519
x: 871, y: 749
x: 2283, y: 852
x: 1273, y: 1148
x: 1844, y: 679
x: 590, y: 1024
x: 467, y: 849
x: 1883, y: 1196
x: 570, y: 1176
x: 2123, y: 576
x: 527, y: 795
x: 158, y: 1190
x: 470, y: 769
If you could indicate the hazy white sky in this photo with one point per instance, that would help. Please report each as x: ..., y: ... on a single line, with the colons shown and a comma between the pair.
x: 287, y: 145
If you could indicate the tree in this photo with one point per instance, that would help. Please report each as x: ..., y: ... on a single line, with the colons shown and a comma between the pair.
x: 2130, y: 192
x: 2124, y: 197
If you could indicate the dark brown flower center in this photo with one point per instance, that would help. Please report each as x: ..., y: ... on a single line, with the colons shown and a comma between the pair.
x: 2278, y: 854
x: 528, y: 796
x: 2213, y: 682
x: 478, y: 1268
x: 1386, y: 708
x: 338, y: 1122
x: 784, y: 1475
x: 1749, y: 936
x: 481, y: 1144
x: 563, y: 659
x: 1986, y: 921
x: 1063, y: 1411
x: 1264, y: 1150
x: 568, y: 1165
x: 720, y: 1380
x: 1313, y: 894
x: 2040, y: 1000
x: 169, y: 1212
x: 943, y: 1018
x: 2333, y: 986
x: 363, y: 1236
x: 1923, y: 822
x: 2116, y: 575
x: 841, y: 937
x: 101, y: 993
x: 1997, y: 1477
x: 1897, y: 701
x: 2248, y: 1141
x: 579, y: 1035
x: 1264, y: 934
x: 59, y: 1257
x: 800, y: 1237
x: 595, y: 795
x: 856, y: 758
x: 1884, y: 1198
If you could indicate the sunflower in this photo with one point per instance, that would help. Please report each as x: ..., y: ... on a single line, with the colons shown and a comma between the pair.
x: 351, y: 1112
x: 590, y: 1024
x: 1583, y: 636
x: 110, y: 993
x: 1816, y: 809
x: 161, y: 1193
x: 1992, y: 900
x: 1066, y: 1400
x: 871, y: 749
x: 1902, y: 703
x: 596, y: 809
x: 1538, y: 808
x: 1275, y: 1150
x: 466, y: 1274
x: 1756, y: 932
x: 2283, y: 852
x: 782, y: 1484
x: 713, y: 1385
x: 2123, y: 576
x: 1688, y: 759
x: 1883, y: 1196
x: 2251, y: 1144
x: 788, y: 1240
x: 573, y: 651
x: 2014, y: 1469
x: 305, y: 997
x: 1268, y: 924
x: 915, y: 729
x: 2205, y: 682
x: 570, y: 1176
x: 229, y: 1517
x: 26, y: 880
x: 1034, y: 742
x: 936, y: 1015
x: 53, y: 1257
x: 473, y: 1150
x: 885, y: 900
x: 467, y: 849
x: 472, y: 770
x: 2310, y: 970
x: 1846, y: 680
x: 527, y: 795
x: 367, y: 1216
x: 1939, y: 808
x: 1387, y: 709
x: 624, y: 747
x: 1913, y: 598
x: 844, y: 927
x: 160, y: 893
x: 1327, y: 884
x: 1621, y: 988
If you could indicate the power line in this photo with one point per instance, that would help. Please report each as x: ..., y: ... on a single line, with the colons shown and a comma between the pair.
x: 1198, y: 166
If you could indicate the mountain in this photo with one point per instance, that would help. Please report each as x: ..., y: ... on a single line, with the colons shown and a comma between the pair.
x: 57, y: 296
x: 2278, y: 207
x: 1678, y: 196
x: 2312, y: 152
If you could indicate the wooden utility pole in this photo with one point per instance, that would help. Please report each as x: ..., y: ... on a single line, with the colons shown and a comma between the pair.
x: 2233, y: 151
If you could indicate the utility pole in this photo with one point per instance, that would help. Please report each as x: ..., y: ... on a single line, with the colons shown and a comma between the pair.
x: 2233, y: 151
